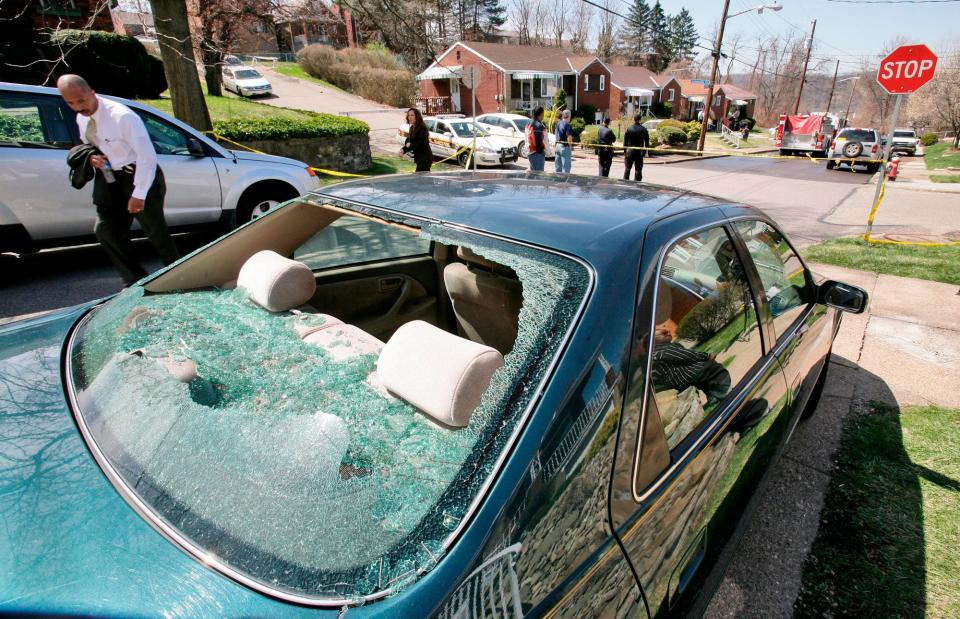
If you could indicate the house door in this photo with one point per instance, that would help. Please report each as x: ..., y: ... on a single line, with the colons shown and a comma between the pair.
x: 454, y: 94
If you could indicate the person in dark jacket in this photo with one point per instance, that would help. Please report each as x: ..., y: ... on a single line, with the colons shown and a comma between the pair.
x: 606, y: 138
x: 418, y: 141
x: 636, y: 135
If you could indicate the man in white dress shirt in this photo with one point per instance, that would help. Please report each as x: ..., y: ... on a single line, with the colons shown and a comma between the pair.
x: 135, y: 189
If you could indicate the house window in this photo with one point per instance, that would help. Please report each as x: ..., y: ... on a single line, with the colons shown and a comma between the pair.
x: 543, y: 87
x: 602, y: 80
x: 586, y: 83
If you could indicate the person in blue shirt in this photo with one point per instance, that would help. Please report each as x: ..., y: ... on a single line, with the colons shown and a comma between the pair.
x: 564, y: 152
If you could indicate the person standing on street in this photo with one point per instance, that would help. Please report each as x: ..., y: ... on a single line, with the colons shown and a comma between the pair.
x: 605, y: 138
x: 536, y: 141
x: 128, y: 183
x: 418, y: 141
x: 564, y: 154
x: 638, y: 136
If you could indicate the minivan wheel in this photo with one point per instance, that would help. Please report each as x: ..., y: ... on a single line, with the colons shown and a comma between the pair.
x: 258, y: 202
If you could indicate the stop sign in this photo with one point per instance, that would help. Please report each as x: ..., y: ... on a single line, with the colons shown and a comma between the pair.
x: 906, y: 69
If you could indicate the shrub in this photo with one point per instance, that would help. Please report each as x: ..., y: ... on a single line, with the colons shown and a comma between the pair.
x: 672, y: 122
x: 373, y: 73
x: 316, y: 126
x: 521, y: 112
x: 693, y: 130
x: 712, y: 314
x: 928, y: 139
x: 662, y: 109
x: 588, y: 113
x: 578, y: 126
x: 560, y: 98
x: 672, y: 135
x: 654, y: 140
x: 21, y: 128
x: 588, y: 137
x: 112, y: 64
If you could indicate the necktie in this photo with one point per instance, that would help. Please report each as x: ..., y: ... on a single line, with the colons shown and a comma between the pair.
x: 91, y: 132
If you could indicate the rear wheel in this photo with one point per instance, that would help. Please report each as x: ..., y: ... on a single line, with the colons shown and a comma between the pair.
x: 259, y: 201
x: 831, y: 164
x: 463, y: 158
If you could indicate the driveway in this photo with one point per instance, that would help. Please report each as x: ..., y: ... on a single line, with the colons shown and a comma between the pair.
x: 305, y: 95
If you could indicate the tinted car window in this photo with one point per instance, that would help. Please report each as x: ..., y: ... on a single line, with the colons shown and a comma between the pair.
x: 785, y: 281
x: 859, y: 135
x: 904, y: 134
x: 167, y: 139
x: 351, y: 240
x: 33, y: 121
x: 706, y: 335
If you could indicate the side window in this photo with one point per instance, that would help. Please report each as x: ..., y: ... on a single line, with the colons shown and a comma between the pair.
x: 431, y: 124
x: 786, y: 283
x: 443, y: 128
x: 352, y: 240
x: 706, y: 335
x: 33, y: 121
x: 167, y: 139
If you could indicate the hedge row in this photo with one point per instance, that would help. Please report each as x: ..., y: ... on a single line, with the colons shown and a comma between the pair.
x: 112, y: 64
x: 314, y: 125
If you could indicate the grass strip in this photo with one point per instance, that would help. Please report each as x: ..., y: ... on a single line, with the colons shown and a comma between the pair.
x: 941, y: 155
x: 940, y: 264
x: 945, y: 178
x: 890, y: 526
x: 292, y: 69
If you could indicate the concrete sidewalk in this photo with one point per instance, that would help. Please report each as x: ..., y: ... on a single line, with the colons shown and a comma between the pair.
x: 904, y: 350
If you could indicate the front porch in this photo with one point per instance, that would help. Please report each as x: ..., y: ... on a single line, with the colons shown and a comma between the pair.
x: 532, y: 90
x: 434, y: 105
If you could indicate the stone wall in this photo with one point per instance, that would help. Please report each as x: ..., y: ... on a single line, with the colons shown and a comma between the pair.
x: 349, y: 153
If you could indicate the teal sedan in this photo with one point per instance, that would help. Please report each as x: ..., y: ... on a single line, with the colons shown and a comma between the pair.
x: 454, y: 395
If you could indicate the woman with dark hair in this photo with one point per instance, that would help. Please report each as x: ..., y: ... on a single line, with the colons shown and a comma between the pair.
x: 418, y: 141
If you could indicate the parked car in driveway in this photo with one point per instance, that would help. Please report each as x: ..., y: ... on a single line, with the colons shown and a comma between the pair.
x: 904, y: 141
x: 453, y: 395
x: 245, y: 81
x: 856, y: 146
x: 453, y: 137
x: 206, y: 183
x: 515, y: 126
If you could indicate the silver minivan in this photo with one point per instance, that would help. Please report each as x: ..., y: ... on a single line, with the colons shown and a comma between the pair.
x: 207, y: 185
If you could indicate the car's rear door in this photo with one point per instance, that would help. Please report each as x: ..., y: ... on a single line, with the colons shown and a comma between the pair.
x: 704, y: 412
x: 35, y: 136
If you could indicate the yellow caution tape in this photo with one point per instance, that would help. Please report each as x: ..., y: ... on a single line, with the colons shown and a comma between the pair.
x: 873, y: 213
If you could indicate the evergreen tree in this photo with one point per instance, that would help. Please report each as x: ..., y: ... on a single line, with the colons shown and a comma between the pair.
x: 494, y: 15
x: 683, y: 36
x: 635, y: 36
x: 661, y: 45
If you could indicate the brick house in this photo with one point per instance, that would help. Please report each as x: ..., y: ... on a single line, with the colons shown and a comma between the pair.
x: 513, y: 77
x: 733, y: 100
x: 29, y: 21
x: 633, y: 89
x: 686, y: 97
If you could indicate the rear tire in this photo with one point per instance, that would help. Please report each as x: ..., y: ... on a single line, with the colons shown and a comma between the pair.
x: 831, y: 164
x: 463, y: 158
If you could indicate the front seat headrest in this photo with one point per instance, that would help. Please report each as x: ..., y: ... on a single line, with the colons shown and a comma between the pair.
x: 276, y: 283
x: 441, y: 374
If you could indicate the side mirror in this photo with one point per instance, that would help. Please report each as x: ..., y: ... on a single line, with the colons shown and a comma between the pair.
x: 844, y: 297
x: 196, y: 148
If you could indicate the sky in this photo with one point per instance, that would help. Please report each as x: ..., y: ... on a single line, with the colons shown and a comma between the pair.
x: 933, y: 24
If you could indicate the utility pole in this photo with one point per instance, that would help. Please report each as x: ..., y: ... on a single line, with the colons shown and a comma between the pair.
x: 833, y: 86
x: 806, y: 61
x: 713, y: 78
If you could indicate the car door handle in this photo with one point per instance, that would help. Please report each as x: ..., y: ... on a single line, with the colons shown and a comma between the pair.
x: 389, y: 284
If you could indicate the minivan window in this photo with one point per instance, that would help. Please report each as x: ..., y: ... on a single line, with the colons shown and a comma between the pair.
x: 706, y: 335
x: 33, y: 121
x: 167, y: 139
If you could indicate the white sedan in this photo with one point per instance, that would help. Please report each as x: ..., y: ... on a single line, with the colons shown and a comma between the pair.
x: 455, y: 136
x: 514, y: 126
x: 245, y: 81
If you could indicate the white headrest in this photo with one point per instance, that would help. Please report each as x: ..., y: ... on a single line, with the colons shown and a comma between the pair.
x: 441, y: 374
x: 276, y: 283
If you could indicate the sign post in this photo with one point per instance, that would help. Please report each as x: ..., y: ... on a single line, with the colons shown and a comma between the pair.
x: 904, y: 71
x: 471, y: 79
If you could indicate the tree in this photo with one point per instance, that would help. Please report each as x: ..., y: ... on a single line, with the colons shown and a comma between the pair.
x: 661, y: 45
x: 582, y: 25
x: 684, y: 35
x: 939, y: 101
x: 635, y: 36
x: 179, y: 64
x: 521, y: 15
x: 559, y: 20
x: 608, y: 26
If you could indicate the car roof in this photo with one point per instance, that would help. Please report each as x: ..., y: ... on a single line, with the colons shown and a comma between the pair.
x: 579, y: 215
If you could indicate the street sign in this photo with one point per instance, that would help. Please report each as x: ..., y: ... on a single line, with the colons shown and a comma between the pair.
x: 471, y: 76
x: 907, y: 69
x: 701, y: 82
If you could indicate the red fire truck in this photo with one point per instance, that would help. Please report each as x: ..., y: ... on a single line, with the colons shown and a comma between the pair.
x: 808, y: 133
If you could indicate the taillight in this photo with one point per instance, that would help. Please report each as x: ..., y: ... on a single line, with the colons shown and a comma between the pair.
x: 874, y: 150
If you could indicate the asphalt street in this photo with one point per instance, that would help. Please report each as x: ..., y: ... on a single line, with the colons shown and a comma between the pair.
x: 805, y: 198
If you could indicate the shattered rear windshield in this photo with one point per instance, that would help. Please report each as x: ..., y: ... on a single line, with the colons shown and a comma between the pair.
x: 279, y: 461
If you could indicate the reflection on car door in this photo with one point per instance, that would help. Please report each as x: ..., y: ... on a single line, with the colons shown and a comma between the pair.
x: 704, y: 414
x: 35, y: 136
x: 193, y: 184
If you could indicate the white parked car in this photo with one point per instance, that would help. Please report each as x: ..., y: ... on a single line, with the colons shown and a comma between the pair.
x: 207, y: 184
x: 245, y: 81
x: 514, y: 126
x: 449, y: 136
x: 904, y: 141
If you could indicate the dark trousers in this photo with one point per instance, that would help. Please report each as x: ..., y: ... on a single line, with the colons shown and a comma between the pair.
x: 633, y: 159
x: 424, y: 162
x: 114, y: 221
x: 605, y: 159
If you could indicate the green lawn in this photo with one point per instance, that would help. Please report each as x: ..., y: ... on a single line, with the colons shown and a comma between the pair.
x: 292, y: 69
x: 889, y: 539
x: 945, y: 178
x: 941, y: 264
x: 230, y: 106
x: 941, y: 155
